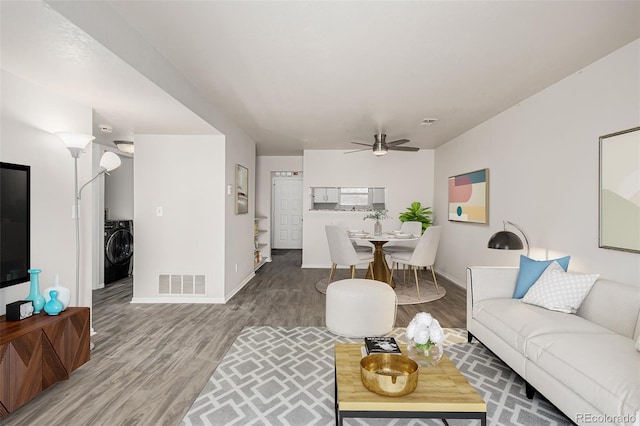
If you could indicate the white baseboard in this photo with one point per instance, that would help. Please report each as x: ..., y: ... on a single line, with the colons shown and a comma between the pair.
x: 453, y: 280
x: 242, y: 284
x: 323, y: 266
x: 328, y: 266
x: 178, y: 299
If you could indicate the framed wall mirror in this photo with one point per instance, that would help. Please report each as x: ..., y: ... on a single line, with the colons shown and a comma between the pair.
x: 619, y: 195
x: 242, y: 189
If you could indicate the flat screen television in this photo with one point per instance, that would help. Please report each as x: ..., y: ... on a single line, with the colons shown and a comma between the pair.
x: 15, y: 223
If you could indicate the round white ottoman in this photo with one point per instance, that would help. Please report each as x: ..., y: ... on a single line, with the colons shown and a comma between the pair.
x: 360, y: 308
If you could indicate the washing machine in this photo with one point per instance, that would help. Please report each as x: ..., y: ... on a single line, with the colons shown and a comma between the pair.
x: 118, y: 249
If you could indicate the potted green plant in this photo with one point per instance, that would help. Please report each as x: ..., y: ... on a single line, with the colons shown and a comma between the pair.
x: 416, y: 213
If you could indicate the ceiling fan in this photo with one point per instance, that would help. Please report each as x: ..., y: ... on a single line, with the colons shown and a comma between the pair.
x: 381, y: 146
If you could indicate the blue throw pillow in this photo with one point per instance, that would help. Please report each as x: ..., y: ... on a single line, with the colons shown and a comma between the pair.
x: 530, y: 271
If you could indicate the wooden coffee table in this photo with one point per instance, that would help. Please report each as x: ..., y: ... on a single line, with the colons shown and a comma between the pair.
x: 442, y: 392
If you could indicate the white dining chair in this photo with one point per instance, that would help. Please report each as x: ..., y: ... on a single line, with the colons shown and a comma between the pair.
x: 424, y: 255
x: 409, y: 227
x: 366, y: 248
x: 362, y: 249
x: 342, y: 251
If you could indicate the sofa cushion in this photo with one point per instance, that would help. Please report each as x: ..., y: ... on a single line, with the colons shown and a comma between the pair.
x: 604, y: 369
x: 604, y: 294
x: 515, y: 322
x: 560, y: 291
x: 530, y: 270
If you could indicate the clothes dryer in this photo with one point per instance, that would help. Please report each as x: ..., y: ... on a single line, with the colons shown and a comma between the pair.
x: 118, y: 249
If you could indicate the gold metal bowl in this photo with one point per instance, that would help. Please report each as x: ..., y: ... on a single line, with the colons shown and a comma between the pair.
x: 388, y: 374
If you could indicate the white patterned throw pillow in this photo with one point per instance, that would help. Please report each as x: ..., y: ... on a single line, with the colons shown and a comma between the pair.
x: 558, y: 290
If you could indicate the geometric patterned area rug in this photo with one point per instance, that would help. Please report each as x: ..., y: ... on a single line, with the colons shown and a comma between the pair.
x: 405, y: 292
x: 284, y: 376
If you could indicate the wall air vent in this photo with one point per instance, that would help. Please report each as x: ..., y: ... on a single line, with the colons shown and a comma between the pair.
x: 181, y: 284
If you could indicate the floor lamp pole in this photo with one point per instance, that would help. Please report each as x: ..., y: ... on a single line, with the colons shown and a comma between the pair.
x: 77, y: 218
x: 526, y: 240
x: 76, y: 144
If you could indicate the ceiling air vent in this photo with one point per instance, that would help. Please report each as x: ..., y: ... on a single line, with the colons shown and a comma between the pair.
x: 428, y: 121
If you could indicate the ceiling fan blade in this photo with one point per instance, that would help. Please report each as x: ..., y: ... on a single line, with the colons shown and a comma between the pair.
x: 360, y: 143
x: 398, y: 142
x: 403, y: 148
x: 358, y: 150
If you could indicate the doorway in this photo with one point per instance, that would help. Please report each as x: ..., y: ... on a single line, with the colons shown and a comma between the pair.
x: 118, y: 244
x: 286, y: 222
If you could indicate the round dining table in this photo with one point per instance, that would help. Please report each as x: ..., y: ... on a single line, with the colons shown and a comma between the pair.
x: 381, y: 270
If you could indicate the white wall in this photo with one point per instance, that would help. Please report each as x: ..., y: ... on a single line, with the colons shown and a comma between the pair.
x: 118, y: 190
x: 239, y: 247
x: 106, y: 26
x: 407, y: 177
x: 29, y: 115
x: 543, y: 161
x: 184, y: 175
x: 264, y: 166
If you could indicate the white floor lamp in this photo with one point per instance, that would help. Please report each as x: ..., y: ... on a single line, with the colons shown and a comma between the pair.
x: 76, y: 143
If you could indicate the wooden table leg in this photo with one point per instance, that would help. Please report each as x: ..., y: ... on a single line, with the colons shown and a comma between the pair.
x: 380, y: 267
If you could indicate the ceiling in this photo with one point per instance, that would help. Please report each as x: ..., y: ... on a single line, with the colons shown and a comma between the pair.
x: 319, y: 74
x: 41, y: 46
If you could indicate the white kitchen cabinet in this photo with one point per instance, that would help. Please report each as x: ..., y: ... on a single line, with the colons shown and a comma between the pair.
x: 325, y: 195
x: 378, y: 195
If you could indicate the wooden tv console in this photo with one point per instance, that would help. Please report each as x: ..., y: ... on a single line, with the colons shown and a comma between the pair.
x: 39, y: 351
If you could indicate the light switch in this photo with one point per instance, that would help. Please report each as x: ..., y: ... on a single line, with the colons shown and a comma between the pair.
x: 159, y: 211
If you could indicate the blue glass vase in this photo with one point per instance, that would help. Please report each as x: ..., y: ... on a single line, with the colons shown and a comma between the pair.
x: 53, y: 306
x: 34, y: 291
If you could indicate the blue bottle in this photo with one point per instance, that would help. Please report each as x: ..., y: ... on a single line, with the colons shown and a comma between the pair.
x: 53, y: 306
x: 34, y: 291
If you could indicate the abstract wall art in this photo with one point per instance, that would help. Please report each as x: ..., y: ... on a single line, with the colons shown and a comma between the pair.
x: 620, y: 191
x: 469, y: 197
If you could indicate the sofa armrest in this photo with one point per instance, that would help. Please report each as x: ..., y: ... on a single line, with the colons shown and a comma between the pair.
x: 489, y: 282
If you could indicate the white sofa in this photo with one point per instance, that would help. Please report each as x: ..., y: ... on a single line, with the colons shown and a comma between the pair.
x: 585, y: 364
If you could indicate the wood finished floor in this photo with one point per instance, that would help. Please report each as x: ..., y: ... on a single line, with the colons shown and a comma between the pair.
x: 150, y: 362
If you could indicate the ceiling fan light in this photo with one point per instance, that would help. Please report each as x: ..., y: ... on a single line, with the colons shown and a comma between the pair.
x: 379, y: 147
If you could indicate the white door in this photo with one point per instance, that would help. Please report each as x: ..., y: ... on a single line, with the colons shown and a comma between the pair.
x: 287, y: 213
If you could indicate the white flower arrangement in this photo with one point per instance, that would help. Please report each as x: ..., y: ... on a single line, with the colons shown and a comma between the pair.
x: 425, y: 331
x: 377, y: 215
